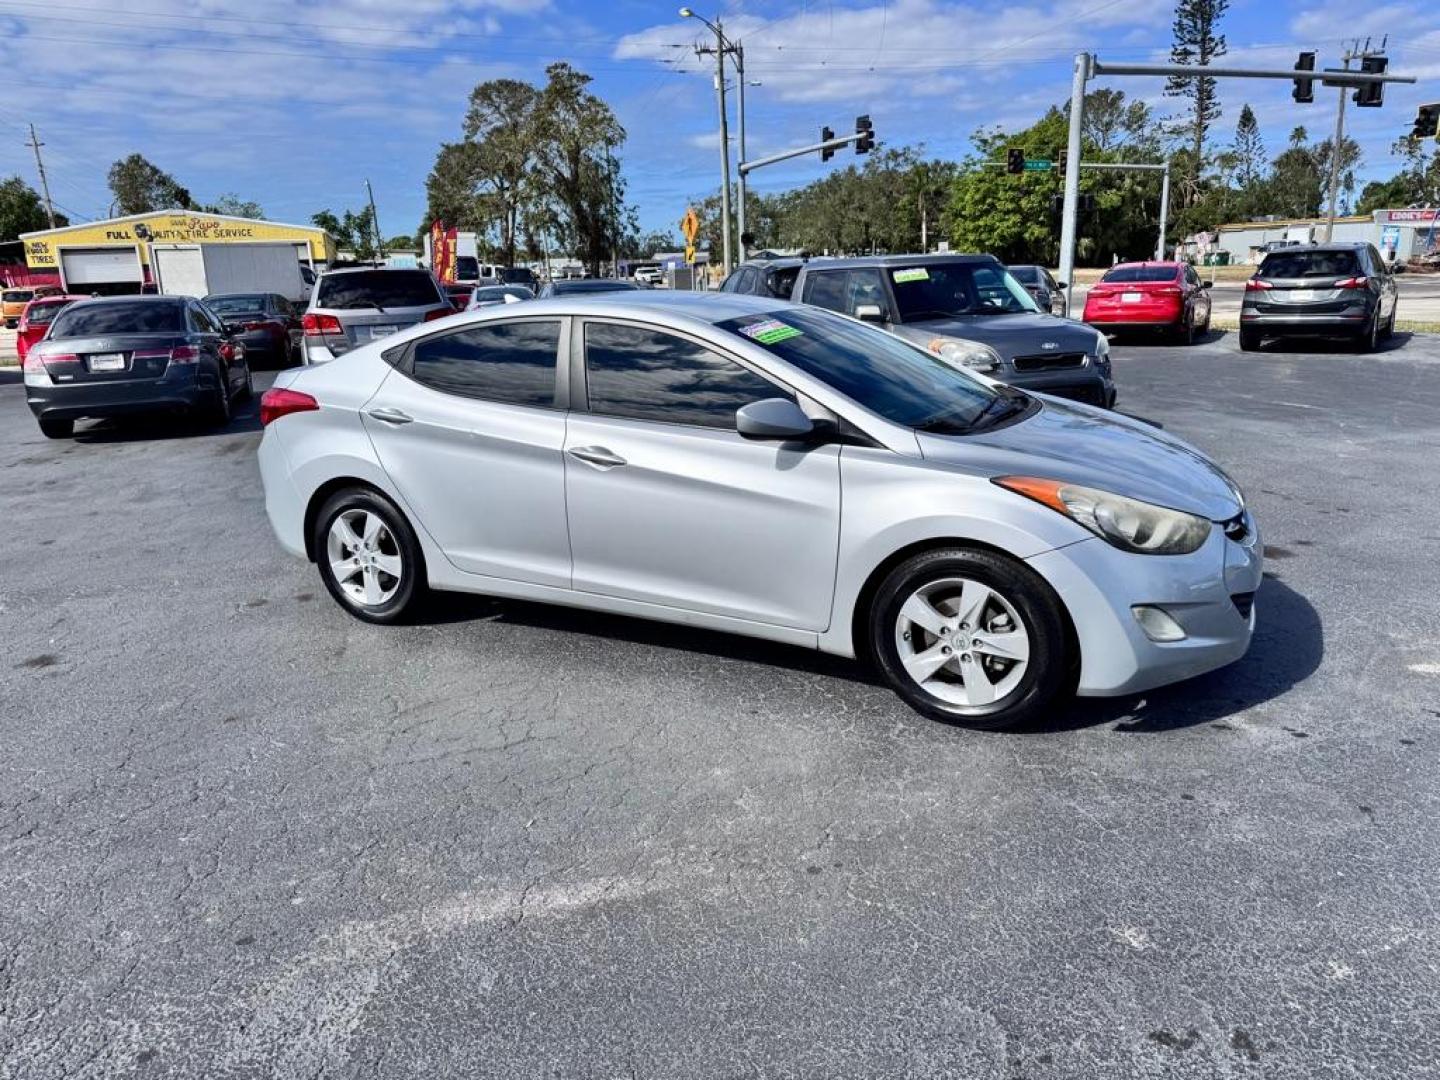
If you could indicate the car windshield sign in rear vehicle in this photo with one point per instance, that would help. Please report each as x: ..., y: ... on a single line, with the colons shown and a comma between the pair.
x: 378, y: 288
x: 98, y: 320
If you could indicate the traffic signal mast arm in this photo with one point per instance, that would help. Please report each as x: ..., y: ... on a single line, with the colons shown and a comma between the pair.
x: 785, y: 155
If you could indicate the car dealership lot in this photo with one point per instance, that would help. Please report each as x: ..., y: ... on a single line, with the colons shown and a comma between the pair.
x: 244, y: 834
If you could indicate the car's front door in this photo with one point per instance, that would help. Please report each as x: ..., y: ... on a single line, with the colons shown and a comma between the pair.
x: 668, y: 504
x: 470, y: 429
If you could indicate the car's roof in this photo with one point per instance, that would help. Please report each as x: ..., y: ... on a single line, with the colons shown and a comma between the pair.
x: 374, y: 269
x: 1334, y: 245
x: 900, y: 260
x: 227, y: 295
x: 132, y: 299
x: 781, y: 261
x: 705, y: 306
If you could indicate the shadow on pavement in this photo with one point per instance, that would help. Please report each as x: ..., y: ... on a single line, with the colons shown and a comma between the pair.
x: 1288, y: 646
x: 1334, y: 346
x: 11, y: 375
x: 158, y: 428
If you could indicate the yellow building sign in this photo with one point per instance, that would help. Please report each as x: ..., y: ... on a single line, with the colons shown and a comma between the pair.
x: 42, y: 248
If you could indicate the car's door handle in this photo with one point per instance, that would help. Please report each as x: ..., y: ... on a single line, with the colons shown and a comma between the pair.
x: 391, y: 416
x: 597, y: 456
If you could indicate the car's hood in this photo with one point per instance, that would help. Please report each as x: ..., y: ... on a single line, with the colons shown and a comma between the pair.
x: 1083, y: 445
x: 1019, y: 334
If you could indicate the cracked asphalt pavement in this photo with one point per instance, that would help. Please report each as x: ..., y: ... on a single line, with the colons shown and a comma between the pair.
x: 245, y: 835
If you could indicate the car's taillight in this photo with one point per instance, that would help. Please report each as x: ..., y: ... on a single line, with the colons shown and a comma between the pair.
x: 1353, y: 283
x: 35, y: 362
x: 1168, y: 290
x: 320, y: 325
x: 1256, y: 285
x: 439, y: 313
x: 180, y: 354
x: 277, y: 402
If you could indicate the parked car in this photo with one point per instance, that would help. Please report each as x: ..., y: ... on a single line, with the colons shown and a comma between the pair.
x: 764, y: 277
x: 268, y: 324
x: 1320, y: 290
x: 1049, y: 294
x: 968, y: 310
x: 649, y: 274
x: 134, y: 354
x: 682, y: 457
x: 1168, y: 296
x: 355, y: 307
x: 36, y: 318
x: 491, y: 295
x: 13, y: 301
x: 459, y: 294
x: 579, y: 286
x: 518, y: 275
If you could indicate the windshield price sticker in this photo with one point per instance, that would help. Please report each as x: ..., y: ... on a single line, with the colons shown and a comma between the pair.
x: 770, y: 331
x: 914, y: 273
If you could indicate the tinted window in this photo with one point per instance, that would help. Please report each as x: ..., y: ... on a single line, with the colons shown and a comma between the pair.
x: 94, y: 320
x: 467, y: 266
x: 939, y: 290
x: 206, y: 321
x: 225, y: 305
x: 826, y: 290
x: 385, y: 288
x: 15, y: 296
x: 42, y: 314
x: 781, y: 283
x: 1026, y: 275
x: 900, y: 382
x: 649, y: 375
x: 1140, y: 274
x: 570, y: 288
x: 509, y: 362
x: 1301, y: 264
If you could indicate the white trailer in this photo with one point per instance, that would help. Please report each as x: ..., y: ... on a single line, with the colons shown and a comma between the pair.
x: 207, y: 269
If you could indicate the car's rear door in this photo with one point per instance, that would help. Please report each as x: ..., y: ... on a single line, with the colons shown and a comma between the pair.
x: 668, y: 504
x: 470, y: 428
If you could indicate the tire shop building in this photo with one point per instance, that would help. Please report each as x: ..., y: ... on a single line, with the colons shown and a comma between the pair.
x: 113, y: 257
x: 1401, y: 235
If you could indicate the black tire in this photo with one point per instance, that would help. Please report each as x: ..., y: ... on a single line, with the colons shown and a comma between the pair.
x: 409, y: 597
x: 1046, y: 676
x: 1389, y: 331
x: 1185, y: 331
x: 57, y: 429
x: 1249, y: 340
x: 218, y: 413
x: 247, y: 388
x: 1369, y: 339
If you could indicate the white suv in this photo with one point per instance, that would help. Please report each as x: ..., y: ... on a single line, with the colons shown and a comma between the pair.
x: 350, y: 308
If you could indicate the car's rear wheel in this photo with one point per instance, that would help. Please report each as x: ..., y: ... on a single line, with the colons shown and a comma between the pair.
x: 1369, y: 339
x: 970, y: 637
x: 57, y: 429
x: 1249, y: 340
x: 369, y: 557
x: 1389, y: 330
x: 1185, y: 329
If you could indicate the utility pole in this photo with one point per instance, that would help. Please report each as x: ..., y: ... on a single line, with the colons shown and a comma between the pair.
x: 374, y: 219
x: 1352, y: 53
x: 722, y: 46
x: 739, y: 51
x: 35, y: 145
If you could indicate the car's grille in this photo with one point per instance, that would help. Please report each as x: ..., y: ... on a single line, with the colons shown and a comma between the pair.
x: 1237, y: 528
x: 1243, y: 602
x: 1049, y: 361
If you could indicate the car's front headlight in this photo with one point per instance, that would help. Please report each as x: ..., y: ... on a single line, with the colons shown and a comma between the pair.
x: 965, y: 354
x: 1129, y: 524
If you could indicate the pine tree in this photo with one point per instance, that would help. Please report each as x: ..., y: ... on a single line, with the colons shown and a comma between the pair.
x: 1249, y: 149
x: 1197, y: 42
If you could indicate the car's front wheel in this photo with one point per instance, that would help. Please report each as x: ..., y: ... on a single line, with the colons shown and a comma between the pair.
x: 368, y: 555
x: 970, y: 637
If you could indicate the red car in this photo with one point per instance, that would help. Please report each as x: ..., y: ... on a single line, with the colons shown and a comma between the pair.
x: 1162, y: 295
x: 36, y: 317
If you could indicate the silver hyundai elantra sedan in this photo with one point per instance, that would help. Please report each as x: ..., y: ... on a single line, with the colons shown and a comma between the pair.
x: 769, y: 469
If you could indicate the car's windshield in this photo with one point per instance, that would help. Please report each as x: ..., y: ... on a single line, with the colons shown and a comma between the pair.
x: 891, y: 378
x: 377, y: 288
x: 467, y: 266
x: 563, y: 287
x: 1308, y: 264
x: 96, y: 320
x: 228, y: 305
x: 1140, y: 274
x: 499, y: 292
x: 15, y: 296
x: 41, y: 313
x: 940, y: 290
x: 1026, y: 275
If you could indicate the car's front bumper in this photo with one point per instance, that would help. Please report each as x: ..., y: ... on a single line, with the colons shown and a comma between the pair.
x: 183, y: 388
x: 1209, y: 593
x: 1089, y: 384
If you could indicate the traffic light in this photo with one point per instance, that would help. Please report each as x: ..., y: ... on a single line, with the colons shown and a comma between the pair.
x: 866, y: 131
x: 1014, y: 160
x: 1087, y: 204
x: 1427, y: 122
x: 1372, y: 95
x: 1304, y: 91
x: 1064, y: 157
x: 825, y: 136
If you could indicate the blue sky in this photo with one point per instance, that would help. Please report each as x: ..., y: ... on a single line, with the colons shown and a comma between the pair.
x: 294, y: 103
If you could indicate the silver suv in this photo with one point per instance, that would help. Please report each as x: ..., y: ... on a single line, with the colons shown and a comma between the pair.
x: 350, y: 308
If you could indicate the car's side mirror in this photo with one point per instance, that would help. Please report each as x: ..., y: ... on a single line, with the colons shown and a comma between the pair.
x: 1207, y: 284
x: 1062, y: 284
x: 869, y: 313
x: 773, y: 418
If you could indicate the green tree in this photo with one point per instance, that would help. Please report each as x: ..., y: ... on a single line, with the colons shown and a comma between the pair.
x: 1197, y: 41
x: 21, y: 210
x: 1249, y: 150
x: 1293, y: 186
x: 353, y: 232
x: 140, y: 187
x: 234, y: 206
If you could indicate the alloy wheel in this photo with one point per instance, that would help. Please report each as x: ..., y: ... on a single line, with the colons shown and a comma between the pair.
x: 364, y: 557
x: 962, y: 642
